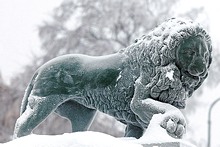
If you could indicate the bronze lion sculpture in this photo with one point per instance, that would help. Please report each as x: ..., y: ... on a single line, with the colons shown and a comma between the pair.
x: 162, y: 68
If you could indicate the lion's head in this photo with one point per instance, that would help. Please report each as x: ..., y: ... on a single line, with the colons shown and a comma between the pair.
x: 178, y: 42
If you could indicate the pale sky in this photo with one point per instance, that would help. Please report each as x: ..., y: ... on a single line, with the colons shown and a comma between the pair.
x: 18, y: 28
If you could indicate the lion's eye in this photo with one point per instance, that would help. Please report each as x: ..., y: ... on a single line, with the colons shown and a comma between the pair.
x: 189, y: 52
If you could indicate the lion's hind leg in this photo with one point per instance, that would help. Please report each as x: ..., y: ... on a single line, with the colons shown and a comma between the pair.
x: 37, y: 110
x: 79, y: 115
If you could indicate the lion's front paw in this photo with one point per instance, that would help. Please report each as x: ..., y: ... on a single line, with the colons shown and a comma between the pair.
x: 175, y: 129
x: 174, y: 124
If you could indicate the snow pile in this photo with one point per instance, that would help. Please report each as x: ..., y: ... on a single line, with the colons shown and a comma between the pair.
x: 154, y: 134
x: 78, y: 139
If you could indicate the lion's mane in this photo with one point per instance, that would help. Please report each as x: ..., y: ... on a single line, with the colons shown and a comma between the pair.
x: 154, y: 55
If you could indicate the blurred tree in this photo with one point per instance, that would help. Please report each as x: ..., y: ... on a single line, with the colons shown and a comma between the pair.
x: 100, y: 27
x: 5, y: 103
x: 93, y: 27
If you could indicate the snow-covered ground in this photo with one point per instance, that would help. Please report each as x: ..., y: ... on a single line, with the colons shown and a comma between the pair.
x: 79, y: 139
x: 154, y: 134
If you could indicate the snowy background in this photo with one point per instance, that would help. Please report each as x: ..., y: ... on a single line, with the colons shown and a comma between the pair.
x: 23, y: 49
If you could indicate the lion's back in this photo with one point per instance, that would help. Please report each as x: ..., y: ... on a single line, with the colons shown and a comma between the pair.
x: 58, y: 75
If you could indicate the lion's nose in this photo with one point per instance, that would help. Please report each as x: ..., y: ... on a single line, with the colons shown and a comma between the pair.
x: 197, y: 67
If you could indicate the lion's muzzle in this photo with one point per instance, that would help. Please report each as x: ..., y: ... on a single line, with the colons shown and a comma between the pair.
x: 198, y: 67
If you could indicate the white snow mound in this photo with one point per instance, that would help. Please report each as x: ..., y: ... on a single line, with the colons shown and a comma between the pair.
x: 154, y: 134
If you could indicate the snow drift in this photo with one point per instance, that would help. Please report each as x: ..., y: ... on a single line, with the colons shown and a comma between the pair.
x: 154, y: 134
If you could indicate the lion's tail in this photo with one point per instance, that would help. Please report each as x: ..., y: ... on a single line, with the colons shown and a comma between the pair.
x: 27, y: 93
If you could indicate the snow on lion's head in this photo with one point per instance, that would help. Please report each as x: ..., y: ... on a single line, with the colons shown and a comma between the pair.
x: 173, y: 60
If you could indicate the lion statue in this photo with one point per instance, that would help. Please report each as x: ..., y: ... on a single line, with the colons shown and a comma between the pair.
x: 162, y: 68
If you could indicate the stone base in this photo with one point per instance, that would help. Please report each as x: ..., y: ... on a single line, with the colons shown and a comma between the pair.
x: 168, y: 144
